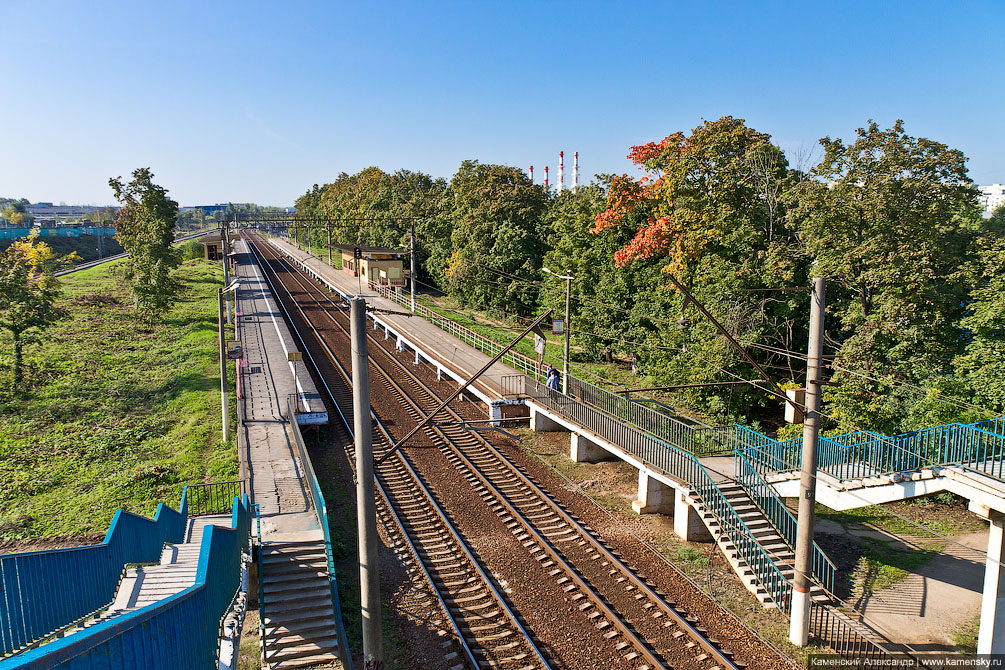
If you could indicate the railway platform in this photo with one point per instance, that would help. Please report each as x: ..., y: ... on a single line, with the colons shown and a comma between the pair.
x: 452, y: 358
x: 300, y: 627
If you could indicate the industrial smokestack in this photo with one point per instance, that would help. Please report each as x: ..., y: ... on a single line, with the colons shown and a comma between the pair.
x: 575, y: 172
x: 561, y: 171
x: 545, y: 177
x: 531, y: 174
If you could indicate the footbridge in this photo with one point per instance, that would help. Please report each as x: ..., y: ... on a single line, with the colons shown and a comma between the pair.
x: 152, y: 594
x: 865, y: 468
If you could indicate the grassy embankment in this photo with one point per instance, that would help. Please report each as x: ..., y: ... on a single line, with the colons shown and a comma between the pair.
x: 118, y: 413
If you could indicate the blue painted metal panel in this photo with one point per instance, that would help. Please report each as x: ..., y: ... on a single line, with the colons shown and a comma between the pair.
x: 181, y: 631
x: 44, y: 591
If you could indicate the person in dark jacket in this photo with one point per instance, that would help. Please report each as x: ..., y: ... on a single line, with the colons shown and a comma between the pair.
x: 554, y: 380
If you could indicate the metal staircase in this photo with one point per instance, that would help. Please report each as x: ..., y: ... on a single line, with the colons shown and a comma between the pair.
x: 768, y: 537
x: 295, y: 585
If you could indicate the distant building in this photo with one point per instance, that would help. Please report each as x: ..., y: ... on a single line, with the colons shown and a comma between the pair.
x: 992, y: 197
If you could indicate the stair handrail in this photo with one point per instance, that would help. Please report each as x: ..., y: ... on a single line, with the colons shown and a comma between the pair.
x: 321, y: 512
x: 188, y: 623
x: 317, y: 498
x: 764, y: 496
x: 681, y: 465
x: 46, y: 591
x: 861, y: 454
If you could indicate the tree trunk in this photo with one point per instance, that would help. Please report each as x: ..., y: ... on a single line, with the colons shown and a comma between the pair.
x: 18, y: 372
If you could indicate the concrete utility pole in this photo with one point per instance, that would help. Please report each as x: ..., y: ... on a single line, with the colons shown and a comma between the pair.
x: 366, y: 510
x: 568, y: 302
x: 565, y: 352
x: 223, y: 366
x: 224, y: 241
x: 799, y: 623
x: 413, y: 267
x: 328, y: 228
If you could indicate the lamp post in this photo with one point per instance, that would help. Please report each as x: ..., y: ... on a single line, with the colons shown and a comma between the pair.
x: 233, y: 286
x: 565, y: 354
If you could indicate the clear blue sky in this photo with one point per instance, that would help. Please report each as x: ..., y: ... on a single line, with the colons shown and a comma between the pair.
x: 257, y: 101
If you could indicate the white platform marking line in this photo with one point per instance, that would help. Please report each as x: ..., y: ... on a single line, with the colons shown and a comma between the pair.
x: 282, y: 343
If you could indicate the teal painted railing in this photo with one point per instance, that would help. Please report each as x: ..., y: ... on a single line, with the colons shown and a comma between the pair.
x: 44, y: 591
x: 996, y: 426
x: 781, y: 518
x: 321, y: 510
x: 860, y: 454
x: 680, y: 465
x: 180, y: 632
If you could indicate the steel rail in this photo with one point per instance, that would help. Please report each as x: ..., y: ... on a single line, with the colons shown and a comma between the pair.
x: 486, y: 581
x: 641, y: 646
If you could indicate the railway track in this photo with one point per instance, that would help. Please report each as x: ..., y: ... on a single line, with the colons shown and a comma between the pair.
x: 634, y: 617
x: 488, y: 633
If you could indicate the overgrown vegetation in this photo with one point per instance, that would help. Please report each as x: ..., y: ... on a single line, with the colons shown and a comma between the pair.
x: 915, y: 292
x: 120, y: 413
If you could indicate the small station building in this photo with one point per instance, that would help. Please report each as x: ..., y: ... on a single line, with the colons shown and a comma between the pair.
x: 212, y: 244
x: 378, y: 265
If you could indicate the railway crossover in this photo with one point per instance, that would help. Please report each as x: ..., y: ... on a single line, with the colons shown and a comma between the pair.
x: 634, y: 623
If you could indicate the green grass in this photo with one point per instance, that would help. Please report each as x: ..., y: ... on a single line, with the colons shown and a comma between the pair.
x: 965, y: 637
x: 885, y: 563
x: 873, y: 516
x: 118, y: 413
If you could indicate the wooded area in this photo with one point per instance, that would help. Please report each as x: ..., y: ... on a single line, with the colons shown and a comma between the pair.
x: 916, y: 277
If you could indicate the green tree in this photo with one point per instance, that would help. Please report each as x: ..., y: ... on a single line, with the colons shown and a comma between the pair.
x: 15, y: 212
x: 145, y: 229
x: 982, y: 365
x: 28, y: 293
x: 889, y: 220
x: 498, y: 235
x: 709, y: 209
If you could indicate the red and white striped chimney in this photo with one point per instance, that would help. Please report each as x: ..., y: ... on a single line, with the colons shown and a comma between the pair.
x: 561, y: 171
x: 545, y: 177
x: 531, y: 174
x: 575, y: 172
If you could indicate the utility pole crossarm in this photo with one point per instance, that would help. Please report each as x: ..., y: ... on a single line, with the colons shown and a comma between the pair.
x: 460, y: 389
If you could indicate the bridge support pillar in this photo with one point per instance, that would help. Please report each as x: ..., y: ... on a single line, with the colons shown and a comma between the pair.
x: 418, y: 358
x: 584, y: 450
x: 991, y: 636
x: 400, y: 345
x: 687, y: 523
x: 654, y: 496
x: 387, y: 333
x: 544, y: 423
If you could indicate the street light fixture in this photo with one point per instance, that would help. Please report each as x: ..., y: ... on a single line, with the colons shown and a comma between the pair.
x: 565, y: 354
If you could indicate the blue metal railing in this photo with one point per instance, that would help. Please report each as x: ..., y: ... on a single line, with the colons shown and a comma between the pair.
x: 681, y: 465
x: 44, y: 591
x: 321, y: 510
x: 181, y: 631
x: 996, y: 425
x: 860, y: 454
x: 780, y: 517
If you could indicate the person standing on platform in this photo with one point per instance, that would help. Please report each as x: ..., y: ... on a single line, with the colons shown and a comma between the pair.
x: 554, y: 381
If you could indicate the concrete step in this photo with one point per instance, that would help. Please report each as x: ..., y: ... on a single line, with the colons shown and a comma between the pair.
x: 282, y: 595
x: 306, y: 584
x: 278, y: 609
x: 309, y: 624
x: 302, y: 662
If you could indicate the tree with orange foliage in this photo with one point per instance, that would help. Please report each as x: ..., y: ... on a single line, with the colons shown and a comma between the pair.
x: 28, y: 292
x: 713, y: 191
